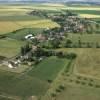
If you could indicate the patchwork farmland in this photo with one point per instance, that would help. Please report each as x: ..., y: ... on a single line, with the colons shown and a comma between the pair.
x: 49, y: 52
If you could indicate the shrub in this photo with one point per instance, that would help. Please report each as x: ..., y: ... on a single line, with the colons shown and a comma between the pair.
x: 83, y: 83
x: 71, y: 56
x: 61, y: 87
x: 97, y: 86
x: 58, y: 90
x: 90, y: 84
x: 78, y: 82
x: 49, y: 81
x: 53, y: 94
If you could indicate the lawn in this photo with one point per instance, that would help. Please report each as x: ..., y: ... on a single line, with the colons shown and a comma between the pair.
x: 10, y: 47
x: 49, y: 68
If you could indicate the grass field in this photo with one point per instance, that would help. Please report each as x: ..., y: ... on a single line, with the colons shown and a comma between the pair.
x: 83, y: 78
x: 21, y: 86
x: 33, y: 82
x: 89, y: 63
x: 95, y: 12
x: 73, y: 92
x: 85, y: 38
x: 23, y: 82
x: 20, y: 34
x: 9, y: 47
x: 49, y: 68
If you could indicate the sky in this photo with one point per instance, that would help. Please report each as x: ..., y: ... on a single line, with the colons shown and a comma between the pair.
x: 52, y: 0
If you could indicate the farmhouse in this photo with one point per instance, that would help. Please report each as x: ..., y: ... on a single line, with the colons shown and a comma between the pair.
x: 34, y: 48
x: 40, y: 37
x: 12, y: 64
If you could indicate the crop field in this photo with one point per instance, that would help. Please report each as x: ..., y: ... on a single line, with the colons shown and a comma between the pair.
x: 21, y: 86
x: 89, y: 16
x: 53, y: 78
x: 9, y: 26
x: 86, y: 12
x: 9, y: 47
x: 17, y: 17
x: 94, y: 12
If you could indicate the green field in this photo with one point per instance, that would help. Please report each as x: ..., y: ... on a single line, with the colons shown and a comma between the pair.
x: 33, y: 82
x: 93, y: 39
x: 78, y: 79
x: 48, y: 69
x: 10, y: 47
x: 17, y: 17
x: 82, y: 78
x: 21, y: 86
x: 21, y: 33
x: 73, y: 92
x: 89, y: 64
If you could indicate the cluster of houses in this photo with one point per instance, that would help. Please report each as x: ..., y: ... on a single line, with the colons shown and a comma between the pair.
x: 12, y: 63
x: 68, y: 24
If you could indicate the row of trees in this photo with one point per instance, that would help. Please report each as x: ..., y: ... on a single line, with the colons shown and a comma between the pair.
x: 25, y: 49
